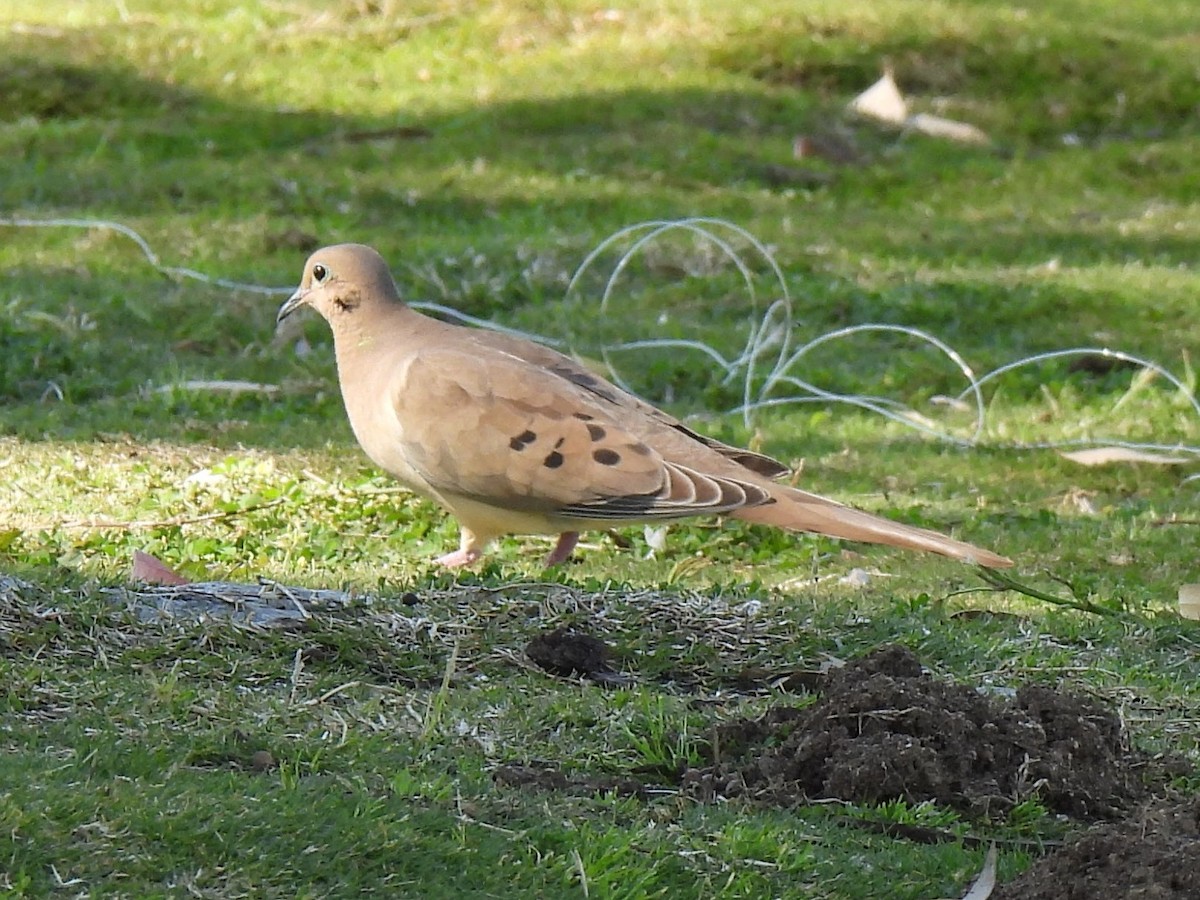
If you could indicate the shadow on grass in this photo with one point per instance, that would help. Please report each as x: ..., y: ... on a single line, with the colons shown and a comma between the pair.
x: 99, y: 136
x: 130, y: 146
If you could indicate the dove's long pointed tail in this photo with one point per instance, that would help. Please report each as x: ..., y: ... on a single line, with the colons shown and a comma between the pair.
x: 800, y: 511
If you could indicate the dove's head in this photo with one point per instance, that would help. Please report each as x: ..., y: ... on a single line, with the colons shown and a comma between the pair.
x: 342, y: 281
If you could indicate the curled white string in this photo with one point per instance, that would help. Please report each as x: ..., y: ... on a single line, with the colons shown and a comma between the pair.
x: 147, y: 251
x: 179, y: 272
x: 775, y: 329
x: 770, y: 333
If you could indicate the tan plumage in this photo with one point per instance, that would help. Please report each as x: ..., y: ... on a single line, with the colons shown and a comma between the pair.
x: 512, y: 437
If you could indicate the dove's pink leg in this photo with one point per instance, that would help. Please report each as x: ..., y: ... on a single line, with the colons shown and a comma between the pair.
x: 562, y: 550
x: 470, y: 549
x: 458, y: 558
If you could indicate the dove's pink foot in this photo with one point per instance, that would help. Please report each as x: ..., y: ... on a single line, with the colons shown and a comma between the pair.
x: 458, y: 559
x: 562, y: 550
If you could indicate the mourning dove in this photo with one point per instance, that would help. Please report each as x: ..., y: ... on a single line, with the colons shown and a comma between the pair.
x: 512, y: 437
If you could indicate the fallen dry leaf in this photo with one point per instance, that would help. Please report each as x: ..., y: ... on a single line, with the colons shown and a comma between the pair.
x: 223, y: 387
x: 882, y: 101
x: 152, y: 571
x: 1103, y: 456
x: 936, y: 126
x: 986, y: 882
x: 832, y: 148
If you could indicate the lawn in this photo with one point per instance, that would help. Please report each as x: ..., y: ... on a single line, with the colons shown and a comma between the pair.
x: 369, y: 745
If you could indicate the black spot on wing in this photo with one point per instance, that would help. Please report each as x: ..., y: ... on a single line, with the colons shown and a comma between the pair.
x: 596, y: 432
x: 553, y: 460
x: 606, y: 457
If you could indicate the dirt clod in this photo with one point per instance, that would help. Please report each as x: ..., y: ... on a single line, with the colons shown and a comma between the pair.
x: 567, y: 652
x: 262, y: 761
x: 1154, y: 855
x: 883, y: 729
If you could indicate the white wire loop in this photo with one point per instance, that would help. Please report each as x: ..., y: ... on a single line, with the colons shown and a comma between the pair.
x: 772, y: 334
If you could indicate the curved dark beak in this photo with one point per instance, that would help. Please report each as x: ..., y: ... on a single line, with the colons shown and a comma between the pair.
x: 292, y: 304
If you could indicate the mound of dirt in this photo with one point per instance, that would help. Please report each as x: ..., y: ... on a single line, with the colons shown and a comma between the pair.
x: 883, y: 729
x: 565, y: 651
x: 568, y: 652
x: 1152, y: 856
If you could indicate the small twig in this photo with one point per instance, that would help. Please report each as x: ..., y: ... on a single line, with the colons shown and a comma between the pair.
x: 170, y: 523
x: 345, y: 728
x: 974, y: 590
x: 297, y: 668
x: 293, y: 599
x: 401, y: 132
x: 224, y: 386
x: 1006, y: 583
x: 463, y: 816
x: 437, y: 702
x: 332, y: 692
x: 64, y: 883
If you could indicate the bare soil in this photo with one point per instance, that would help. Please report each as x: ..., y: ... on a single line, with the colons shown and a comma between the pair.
x: 1154, y: 855
x: 567, y: 652
x: 882, y: 728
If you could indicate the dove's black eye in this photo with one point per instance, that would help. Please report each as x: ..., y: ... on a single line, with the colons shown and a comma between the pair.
x: 319, y: 273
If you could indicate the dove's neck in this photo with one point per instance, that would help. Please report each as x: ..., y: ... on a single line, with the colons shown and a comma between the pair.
x: 359, y: 340
x: 369, y: 349
x: 373, y: 355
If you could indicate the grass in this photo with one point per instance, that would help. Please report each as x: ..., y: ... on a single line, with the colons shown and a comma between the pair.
x: 235, y: 136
